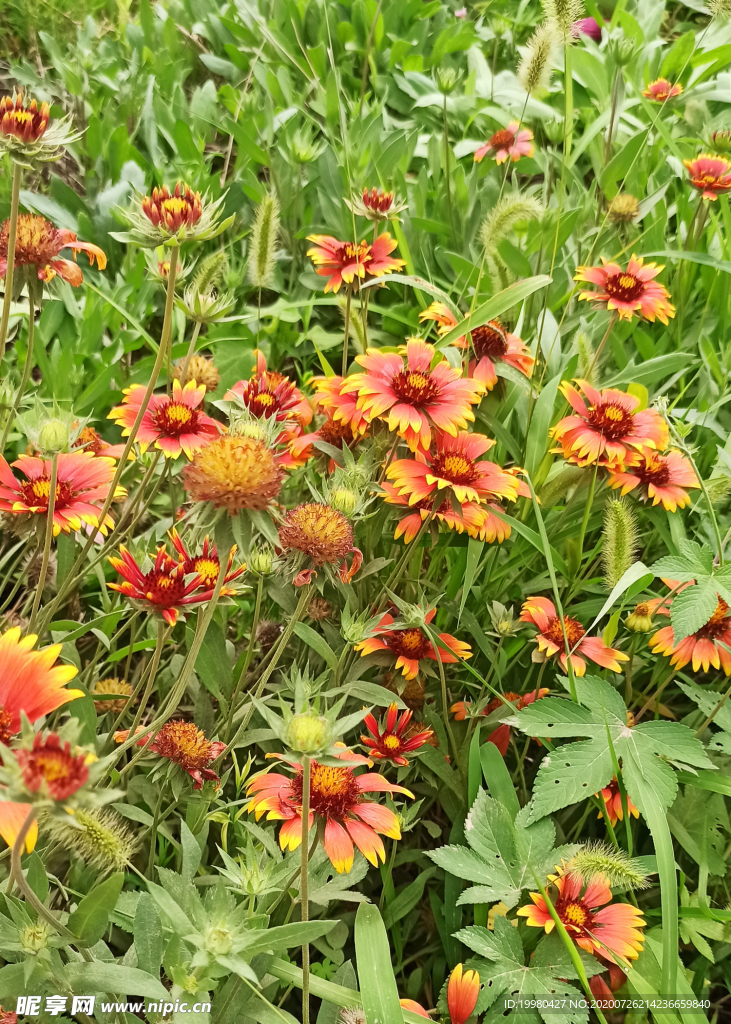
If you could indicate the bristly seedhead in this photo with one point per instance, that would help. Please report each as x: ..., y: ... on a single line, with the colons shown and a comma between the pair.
x: 503, y: 217
x: 719, y: 8
x: 538, y: 61
x: 100, y: 837
x: 562, y: 14
x: 263, y: 243
x: 620, y: 540
x: 600, y: 859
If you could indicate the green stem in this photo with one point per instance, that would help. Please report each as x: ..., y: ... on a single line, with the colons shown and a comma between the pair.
x: 346, y: 332
x: 446, y: 163
x: 248, y: 657
x: 10, y: 271
x: 602, y: 343
x: 153, y: 834
x: 587, y: 510
x: 28, y: 364
x: 568, y: 84
x: 190, y: 353
x: 713, y: 714
x: 46, y: 542
x: 304, y: 879
x: 151, y: 675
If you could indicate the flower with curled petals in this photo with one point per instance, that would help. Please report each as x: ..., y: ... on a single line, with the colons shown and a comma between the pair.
x: 27, y: 123
x: 344, y: 261
x: 411, y: 394
x: 27, y: 134
x: 337, y: 800
x: 38, y: 245
x: 613, y: 805
x: 704, y: 649
x: 661, y: 90
x: 661, y: 477
x: 605, y: 429
x: 630, y: 292
x: 82, y: 486
x: 391, y: 740
x: 269, y: 394
x: 410, y: 646
x: 169, y: 218
x: 468, y: 517
x: 173, y: 423
x: 614, y: 932
x: 541, y: 613
x: 341, y: 405
x: 500, y: 736
x: 710, y: 174
x: 463, y: 990
x: 50, y: 769
x: 184, y: 744
x: 512, y: 142
x: 376, y: 204
x: 207, y: 564
x: 455, y: 466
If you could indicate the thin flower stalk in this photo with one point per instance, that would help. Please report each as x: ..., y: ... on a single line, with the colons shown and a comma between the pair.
x: 29, y: 359
x: 47, y: 538
x: 10, y: 272
x: 247, y: 657
x: 304, y: 883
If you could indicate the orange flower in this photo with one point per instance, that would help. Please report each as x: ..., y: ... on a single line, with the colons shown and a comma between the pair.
x: 507, y: 142
x: 411, y: 646
x: 38, y: 244
x: 463, y: 990
x: 704, y: 648
x: 710, y: 174
x: 27, y: 123
x: 661, y: 90
x: 407, y: 1004
x: 336, y: 799
x: 174, y: 423
x: 615, y: 931
x: 660, y: 477
x: 455, y: 466
x: 234, y: 473
x: 51, y: 769
x: 184, y: 744
x: 613, y: 805
x: 473, y: 519
x: 324, y: 535
x: 207, y: 564
x: 607, y: 431
x: 500, y: 736
x: 541, y: 613
x: 629, y: 292
x: 82, y: 485
x: 344, y: 261
x: 334, y: 432
x: 342, y: 406
x: 411, y: 394
x: 393, y: 742
x: 173, y: 210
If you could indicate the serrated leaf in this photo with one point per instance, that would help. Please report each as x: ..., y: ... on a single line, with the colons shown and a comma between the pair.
x: 692, y: 608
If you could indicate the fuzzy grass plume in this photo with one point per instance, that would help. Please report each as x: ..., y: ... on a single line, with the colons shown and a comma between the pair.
x: 562, y: 14
x: 100, y: 837
x: 500, y: 221
x: 621, y: 870
x: 263, y: 242
x: 619, y: 550
x: 538, y: 61
x: 211, y: 273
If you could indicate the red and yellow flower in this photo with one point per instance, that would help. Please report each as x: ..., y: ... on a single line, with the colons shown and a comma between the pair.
x: 341, y: 406
x: 475, y: 520
x: 207, y: 564
x: 455, y: 466
x: 184, y: 744
x: 710, y: 174
x: 173, y: 423
x: 270, y: 394
x: 393, y: 739
x: 173, y: 210
x: 89, y: 440
x: 82, y: 486
x: 24, y: 122
x: 463, y: 990
x: 541, y: 613
x: 501, y: 735
x: 605, y: 429
x: 344, y: 261
x: 614, y: 932
x: 38, y: 244
x: 412, y: 392
x: 613, y: 805
x: 513, y: 142
x: 661, y: 89
x: 234, y: 473
x: 629, y: 292
x: 336, y: 799
x: 411, y: 646
x: 662, y: 477
x: 51, y: 769
x: 705, y: 648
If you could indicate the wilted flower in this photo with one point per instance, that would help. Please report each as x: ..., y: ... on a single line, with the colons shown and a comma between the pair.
x: 661, y: 90
x: 201, y: 370
x: 186, y: 745
x: 50, y: 769
x: 710, y: 174
x: 344, y: 261
x: 512, y: 142
x: 623, y: 208
x: 117, y: 689
x: 38, y: 244
x: 629, y: 292
x: 376, y: 205
x: 322, y: 534
x: 234, y: 473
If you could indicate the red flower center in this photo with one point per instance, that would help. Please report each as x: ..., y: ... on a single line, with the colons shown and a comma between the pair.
x: 501, y: 139
x: 50, y: 763
x: 375, y: 200
x: 36, y: 493
x: 37, y: 241
x: 489, y: 340
x: 624, y: 287
x: 611, y: 420
x: 175, y: 418
x: 415, y: 386
x: 333, y: 791
x: 717, y: 624
x: 269, y: 395
x: 453, y: 466
x: 408, y: 643
x: 574, y: 631
x: 653, y: 470
x: 5, y: 732
x: 163, y: 589
x: 336, y: 433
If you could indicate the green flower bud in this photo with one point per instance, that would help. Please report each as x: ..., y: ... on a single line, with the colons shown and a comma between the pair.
x: 34, y: 937
x: 344, y: 500
x: 447, y: 79
x: 308, y: 733
x: 721, y: 140
x: 53, y: 437
x: 262, y: 561
x: 640, y: 620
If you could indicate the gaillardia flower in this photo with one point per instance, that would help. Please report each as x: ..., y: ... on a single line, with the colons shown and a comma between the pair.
x: 661, y: 90
x: 207, y: 564
x: 201, y: 370
x: 500, y: 736
x: 344, y: 261
x: 115, y: 690
x: 50, y: 769
x: 605, y: 429
x: 337, y: 800
x: 614, y: 931
x: 664, y: 478
x: 410, y: 395
x: 173, y: 423
x: 38, y: 244
x: 512, y: 142
x: 541, y: 613
x: 710, y: 174
x: 410, y: 646
x: 170, y: 218
x: 393, y: 739
x: 82, y: 486
x: 629, y: 292
x: 234, y: 473
x: 25, y: 133
x: 455, y: 465
x: 324, y: 535
x: 27, y: 123
x: 468, y: 517
x: 613, y: 806
x: 184, y: 744
x: 89, y: 440
x: 341, y: 405
x: 463, y: 990
x: 705, y: 648
x: 376, y: 204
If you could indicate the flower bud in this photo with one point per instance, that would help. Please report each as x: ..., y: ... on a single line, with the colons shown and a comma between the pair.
x: 53, y: 437
x: 447, y: 79
x: 621, y: 49
x: 640, y: 620
x: 721, y: 140
x: 344, y: 500
x: 308, y: 733
x: 34, y: 937
x: 262, y: 561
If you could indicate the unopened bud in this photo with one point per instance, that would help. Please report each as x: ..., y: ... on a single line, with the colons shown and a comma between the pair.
x: 721, y: 140
x: 447, y: 79
x: 53, y: 437
x: 34, y: 937
x: 308, y: 733
x: 621, y: 50
x: 262, y: 562
x: 344, y: 500
x: 640, y: 620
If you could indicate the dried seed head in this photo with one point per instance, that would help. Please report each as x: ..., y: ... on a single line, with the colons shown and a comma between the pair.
x: 624, y: 207
x: 562, y: 14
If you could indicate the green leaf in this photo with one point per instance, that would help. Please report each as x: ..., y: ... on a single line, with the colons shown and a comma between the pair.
x: 148, y: 937
x: 498, y: 304
x: 536, y: 442
x: 373, y: 958
x: 407, y: 899
x: 90, y: 919
x: 497, y: 778
x: 285, y: 935
x: 692, y: 608
x: 191, y: 853
x: 317, y: 643
x: 101, y: 976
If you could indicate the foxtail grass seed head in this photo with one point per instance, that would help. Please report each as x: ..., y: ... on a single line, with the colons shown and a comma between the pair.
x: 623, y: 208
x: 586, y: 354
x: 619, y: 550
x: 263, y: 243
x: 101, y: 838
x: 601, y: 859
x: 538, y: 62
x: 562, y: 14
x: 509, y: 211
x: 719, y: 8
